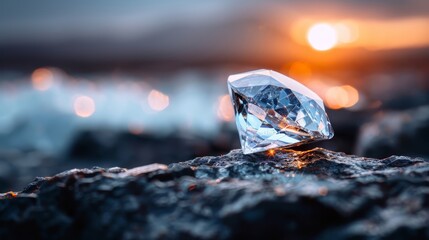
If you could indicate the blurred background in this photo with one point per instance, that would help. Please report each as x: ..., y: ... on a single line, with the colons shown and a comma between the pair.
x: 110, y: 83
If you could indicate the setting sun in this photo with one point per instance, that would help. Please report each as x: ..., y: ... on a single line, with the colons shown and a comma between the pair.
x: 322, y: 36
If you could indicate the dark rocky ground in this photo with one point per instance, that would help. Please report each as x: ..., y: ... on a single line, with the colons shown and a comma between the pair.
x: 107, y: 148
x: 400, y: 132
x: 291, y: 195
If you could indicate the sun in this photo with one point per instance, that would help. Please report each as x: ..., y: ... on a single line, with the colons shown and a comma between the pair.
x: 322, y: 36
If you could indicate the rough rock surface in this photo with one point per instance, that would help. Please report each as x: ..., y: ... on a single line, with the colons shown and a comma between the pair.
x: 288, y: 195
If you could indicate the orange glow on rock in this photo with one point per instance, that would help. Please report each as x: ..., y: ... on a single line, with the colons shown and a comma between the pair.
x: 12, y: 194
x: 192, y: 187
x: 300, y: 164
x: 42, y: 79
x: 157, y: 100
x: 271, y: 152
x: 225, y: 110
x: 84, y: 106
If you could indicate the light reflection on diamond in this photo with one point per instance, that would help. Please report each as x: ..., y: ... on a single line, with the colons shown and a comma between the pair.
x: 272, y: 110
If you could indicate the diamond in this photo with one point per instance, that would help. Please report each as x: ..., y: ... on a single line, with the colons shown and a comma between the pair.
x: 272, y: 110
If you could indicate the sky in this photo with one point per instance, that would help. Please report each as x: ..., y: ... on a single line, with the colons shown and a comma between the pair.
x: 192, y: 30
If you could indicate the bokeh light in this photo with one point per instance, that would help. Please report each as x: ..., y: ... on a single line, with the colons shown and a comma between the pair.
x: 347, y: 32
x: 84, y: 106
x: 341, y: 97
x: 322, y: 36
x: 353, y: 95
x: 225, y: 110
x: 157, y: 100
x: 135, y: 128
x: 42, y: 79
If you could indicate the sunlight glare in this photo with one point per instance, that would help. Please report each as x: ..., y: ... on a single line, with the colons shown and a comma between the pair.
x: 322, y: 36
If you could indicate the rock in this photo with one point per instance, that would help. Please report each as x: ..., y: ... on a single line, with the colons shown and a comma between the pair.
x: 107, y: 148
x: 18, y: 167
x: 287, y: 194
x: 403, y: 132
x: 130, y: 150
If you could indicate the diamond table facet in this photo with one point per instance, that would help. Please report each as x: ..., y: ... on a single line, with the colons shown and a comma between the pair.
x: 272, y: 110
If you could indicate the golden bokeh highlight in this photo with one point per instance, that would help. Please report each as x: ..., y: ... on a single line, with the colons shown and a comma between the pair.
x: 84, y: 106
x: 352, y: 94
x: 336, y: 97
x: 225, y: 111
x: 341, y: 97
x: 42, y: 79
x: 157, y: 100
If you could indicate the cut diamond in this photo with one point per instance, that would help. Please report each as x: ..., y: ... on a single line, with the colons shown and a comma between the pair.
x: 272, y: 110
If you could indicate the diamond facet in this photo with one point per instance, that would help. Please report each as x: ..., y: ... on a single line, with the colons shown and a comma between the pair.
x: 272, y: 110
